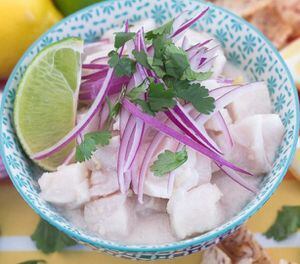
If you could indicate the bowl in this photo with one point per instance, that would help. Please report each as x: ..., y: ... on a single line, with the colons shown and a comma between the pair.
x: 244, y: 45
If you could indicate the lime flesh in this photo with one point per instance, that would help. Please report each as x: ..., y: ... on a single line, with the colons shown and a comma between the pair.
x: 46, y: 100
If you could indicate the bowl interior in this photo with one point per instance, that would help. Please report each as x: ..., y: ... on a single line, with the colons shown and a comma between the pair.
x: 244, y: 46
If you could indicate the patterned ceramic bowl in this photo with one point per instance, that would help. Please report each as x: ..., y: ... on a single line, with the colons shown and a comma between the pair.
x: 244, y: 46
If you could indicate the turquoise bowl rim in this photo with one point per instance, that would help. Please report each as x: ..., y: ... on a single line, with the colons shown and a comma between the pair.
x: 183, y: 243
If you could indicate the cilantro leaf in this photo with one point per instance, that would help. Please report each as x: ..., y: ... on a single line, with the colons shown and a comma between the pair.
x: 196, y: 94
x: 168, y: 161
x: 162, y: 30
x: 160, y: 98
x: 175, y: 61
x: 122, y: 66
x: 191, y: 75
x: 91, y: 140
x: 35, y: 261
x: 142, y: 58
x: 122, y: 37
x: 145, y: 106
x: 136, y: 92
x: 49, y: 239
x: 286, y: 223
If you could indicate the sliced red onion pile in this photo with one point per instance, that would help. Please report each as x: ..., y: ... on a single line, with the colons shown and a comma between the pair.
x: 182, y: 123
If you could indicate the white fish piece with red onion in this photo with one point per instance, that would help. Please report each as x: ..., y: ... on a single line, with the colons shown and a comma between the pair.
x: 178, y: 145
x: 256, y: 139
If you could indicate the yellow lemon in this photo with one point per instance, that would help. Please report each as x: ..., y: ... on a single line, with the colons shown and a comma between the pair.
x: 295, y: 166
x: 22, y: 22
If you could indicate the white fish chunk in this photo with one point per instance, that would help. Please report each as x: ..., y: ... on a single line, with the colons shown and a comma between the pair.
x: 256, y: 139
x: 235, y: 197
x: 195, y: 37
x: 103, y: 183
x: 105, y: 157
x: 111, y: 217
x: 196, y: 170
x: 153, y: 229
x: 75, y: 216
x: 195, y: 211
x: 213, y: 124
x: 254, y: 102
x: 150, y: 206
x: 67, y: 187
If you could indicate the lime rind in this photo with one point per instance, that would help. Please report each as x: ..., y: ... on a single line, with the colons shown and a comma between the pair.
x: 46, y: 100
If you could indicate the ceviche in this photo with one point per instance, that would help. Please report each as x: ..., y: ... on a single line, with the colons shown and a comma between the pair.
x: 148, y: 135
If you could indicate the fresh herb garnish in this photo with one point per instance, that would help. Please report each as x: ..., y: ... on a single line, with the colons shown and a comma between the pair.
x: 168, y: 161
x: 175, y: 61
x: 145, y: 106
x: 123, y: 66
x: 141, y: 58
x: 159, y: 98
x: 196, y: 94
x: 49, y: 239
x: 286, y: 223
x: 34, y: 261
x: 162, y: 30
x: 136, y: 92
x: 191, y: 75
x: 91, y: 140
x: 122, y: 37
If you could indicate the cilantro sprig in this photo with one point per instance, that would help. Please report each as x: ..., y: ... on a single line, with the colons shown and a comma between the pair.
x: 91, y: 140
x: 48, y: 239
x: 168, y: 161
x: 123, y: 66
x: 286, y: 223
x: 171, y: 65
x: 122, y: 37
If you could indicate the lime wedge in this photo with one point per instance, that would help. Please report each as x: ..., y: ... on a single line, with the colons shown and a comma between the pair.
x: 46, y: 100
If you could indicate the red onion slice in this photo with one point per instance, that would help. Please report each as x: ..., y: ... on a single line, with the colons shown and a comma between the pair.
x: 122, y: 151
x: 189, y: 23
x: 238, y: 179
x: 228, y: 98
x: 178, y: 136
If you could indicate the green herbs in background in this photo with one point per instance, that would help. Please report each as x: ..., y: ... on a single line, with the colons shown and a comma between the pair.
x: 34, y: 261
x: 89, y: 144
x: 286, y: 223
x: 48, y: 239
x: 171, y: 64
x: 168, y: 161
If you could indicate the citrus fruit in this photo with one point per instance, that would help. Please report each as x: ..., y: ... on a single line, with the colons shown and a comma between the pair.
x: 68, y: 7
x: 22, y: 22
x: 46, y: 100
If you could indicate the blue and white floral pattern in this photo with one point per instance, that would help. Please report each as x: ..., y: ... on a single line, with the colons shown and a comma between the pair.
x: 249, y: 44
x: 242, y: 44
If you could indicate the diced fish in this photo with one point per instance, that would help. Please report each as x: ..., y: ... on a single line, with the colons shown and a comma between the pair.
x: 234, y: 197
x: 256, y: 139
x: 111, y: 217
x: 196, y: 170
x: 105, y: 157
x: 103, y: 183
x: 67, y: 187
x: 195, y: 211
x: 254, y: 102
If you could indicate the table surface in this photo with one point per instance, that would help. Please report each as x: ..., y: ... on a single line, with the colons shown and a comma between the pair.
x: 17, y: 222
